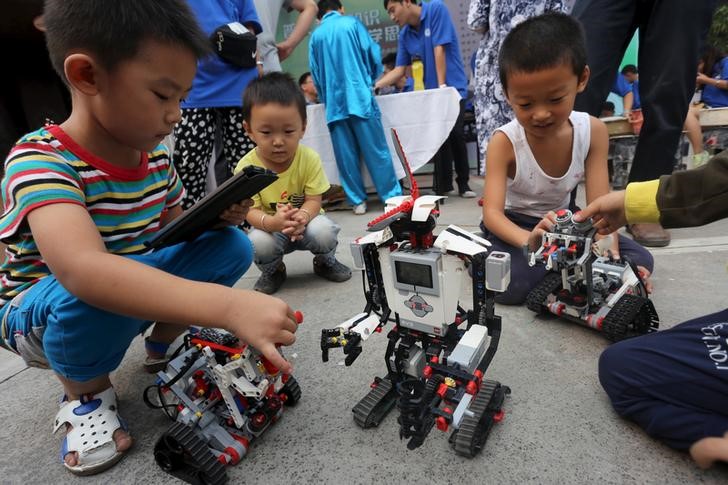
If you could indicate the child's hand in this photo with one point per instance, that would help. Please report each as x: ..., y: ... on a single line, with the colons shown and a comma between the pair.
x: 289, y: 225
x: 264, y: 322
x: 644, y: 275
x: 546, y: 224
x: 607, y: 212
x: 236, y: 213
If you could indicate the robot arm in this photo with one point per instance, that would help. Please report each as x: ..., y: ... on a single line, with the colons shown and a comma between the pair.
x: 350, y: 334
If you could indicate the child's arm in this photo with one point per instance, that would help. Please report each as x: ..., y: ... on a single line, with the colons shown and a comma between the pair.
x: 596, y: 173
x: 500, y: 163
x: 80, y: 262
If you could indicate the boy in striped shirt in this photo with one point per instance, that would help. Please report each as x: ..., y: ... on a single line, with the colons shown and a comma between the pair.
x: 81, y: 198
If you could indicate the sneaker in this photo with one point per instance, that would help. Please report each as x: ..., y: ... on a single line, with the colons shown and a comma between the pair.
x: 332, y: 270
x: 468, y: 194
x: 360, y: 209
x: 270, y: 282
x: 700, y: 159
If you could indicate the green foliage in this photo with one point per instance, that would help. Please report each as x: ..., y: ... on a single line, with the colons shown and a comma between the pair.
x: 718, y: 34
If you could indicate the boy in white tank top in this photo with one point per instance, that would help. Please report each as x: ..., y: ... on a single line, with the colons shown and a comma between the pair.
x: 535, y: 162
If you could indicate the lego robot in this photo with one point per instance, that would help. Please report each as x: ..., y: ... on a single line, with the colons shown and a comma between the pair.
x: 438, y: 353
x: 222, y: 395
x: 586, y: 287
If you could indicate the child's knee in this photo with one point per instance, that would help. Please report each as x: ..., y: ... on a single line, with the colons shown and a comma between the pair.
x: 322, y: 233
x: 265, y: 246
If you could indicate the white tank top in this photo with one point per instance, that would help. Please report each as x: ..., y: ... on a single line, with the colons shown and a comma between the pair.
x: 533, y: 192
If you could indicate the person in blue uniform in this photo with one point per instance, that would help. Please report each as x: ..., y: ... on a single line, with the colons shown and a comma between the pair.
x: 428, y: 33
x: 345, y: 62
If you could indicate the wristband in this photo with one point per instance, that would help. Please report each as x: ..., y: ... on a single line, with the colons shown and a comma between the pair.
x: 262, y: 222
x: 443, y: 85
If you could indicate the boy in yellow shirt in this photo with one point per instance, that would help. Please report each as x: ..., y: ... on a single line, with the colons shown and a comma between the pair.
x: 287, y: 215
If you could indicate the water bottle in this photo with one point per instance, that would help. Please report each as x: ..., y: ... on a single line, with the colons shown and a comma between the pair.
x: 418, y: 74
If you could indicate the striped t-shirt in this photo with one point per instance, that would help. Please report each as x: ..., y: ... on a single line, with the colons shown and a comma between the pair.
x: 48, y: 167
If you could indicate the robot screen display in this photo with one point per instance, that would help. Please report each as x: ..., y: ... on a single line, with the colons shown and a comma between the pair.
x: 414, y: 274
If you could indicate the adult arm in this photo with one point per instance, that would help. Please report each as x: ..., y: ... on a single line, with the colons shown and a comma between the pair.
x: 391, y: 77
x: 441, y: 65
x: 442, y: 33
x: 307, y: 11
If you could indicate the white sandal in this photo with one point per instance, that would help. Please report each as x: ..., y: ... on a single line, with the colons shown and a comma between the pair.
x: 94, y: 420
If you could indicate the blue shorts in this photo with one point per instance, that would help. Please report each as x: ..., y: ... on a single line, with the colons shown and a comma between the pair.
x: 50, y: 327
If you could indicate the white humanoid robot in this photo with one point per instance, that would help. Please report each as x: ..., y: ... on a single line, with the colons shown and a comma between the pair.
x: 438, y: 353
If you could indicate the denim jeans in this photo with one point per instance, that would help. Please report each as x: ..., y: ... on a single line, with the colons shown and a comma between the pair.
x: 320, y: 238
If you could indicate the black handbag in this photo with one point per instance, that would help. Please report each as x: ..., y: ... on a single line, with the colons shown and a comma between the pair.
x: 234, y: 48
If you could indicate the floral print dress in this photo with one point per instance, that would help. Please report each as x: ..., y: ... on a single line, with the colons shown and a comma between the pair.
x: 496, y: 19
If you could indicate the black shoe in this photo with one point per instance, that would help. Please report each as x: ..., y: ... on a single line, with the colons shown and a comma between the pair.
x: 332, y: 270
x: 270, y: 282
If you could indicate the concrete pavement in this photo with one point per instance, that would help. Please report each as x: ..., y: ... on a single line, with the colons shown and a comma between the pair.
x: 559, y: 426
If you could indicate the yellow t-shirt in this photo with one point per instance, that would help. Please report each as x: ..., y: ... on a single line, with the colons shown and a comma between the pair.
x: 305, y: 176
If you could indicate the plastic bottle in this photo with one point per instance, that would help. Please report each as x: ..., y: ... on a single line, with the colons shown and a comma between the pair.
x: 418, y: 74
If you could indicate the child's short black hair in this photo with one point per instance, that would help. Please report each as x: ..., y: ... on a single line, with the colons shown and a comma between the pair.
x: 608, y: 106
x: 113, y: 30
x: 274, y: 87
x: 390, y: 60
x: 542, y: 42
x: 304, y: 78
x: 326, y: 6
x: 630, y: 69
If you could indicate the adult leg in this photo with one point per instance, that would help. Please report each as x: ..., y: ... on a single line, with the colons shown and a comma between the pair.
x: 235, y: 143
x: 371, y: 142
x: 194, y: 138
x: 347, y: 161
x: 459, y: 151
x: 442, y: 176
x: 671, y: 39
x: 609, y: 26
x: 673, y: 383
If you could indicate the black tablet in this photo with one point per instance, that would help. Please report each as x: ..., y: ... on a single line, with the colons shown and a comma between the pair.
x: 205, y: 213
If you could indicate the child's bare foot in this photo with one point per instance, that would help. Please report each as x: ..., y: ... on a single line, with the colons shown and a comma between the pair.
x: 96, y: 436
x: 122, y: 439
x: 709, y: 450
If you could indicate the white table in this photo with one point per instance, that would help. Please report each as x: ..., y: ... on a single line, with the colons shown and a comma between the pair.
x: 423, y: 120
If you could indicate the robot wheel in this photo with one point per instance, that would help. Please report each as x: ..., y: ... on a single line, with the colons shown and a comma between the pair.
x: 180, y: 452
x: 473, y: 432
x: 631, y: 315
x: 536, y: 299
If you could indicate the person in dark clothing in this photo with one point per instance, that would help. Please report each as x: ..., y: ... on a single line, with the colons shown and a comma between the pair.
x: 673, y: 383
x: 672, y: 33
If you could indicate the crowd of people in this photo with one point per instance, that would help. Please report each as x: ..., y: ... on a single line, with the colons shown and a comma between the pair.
x: 73, y: 301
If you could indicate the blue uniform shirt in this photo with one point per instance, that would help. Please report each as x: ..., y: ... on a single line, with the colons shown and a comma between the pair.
x: 621, y: 87
x: 345, y: 62
x: 436, y: 28
x: 217, y: 83
x: 716, y: 97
